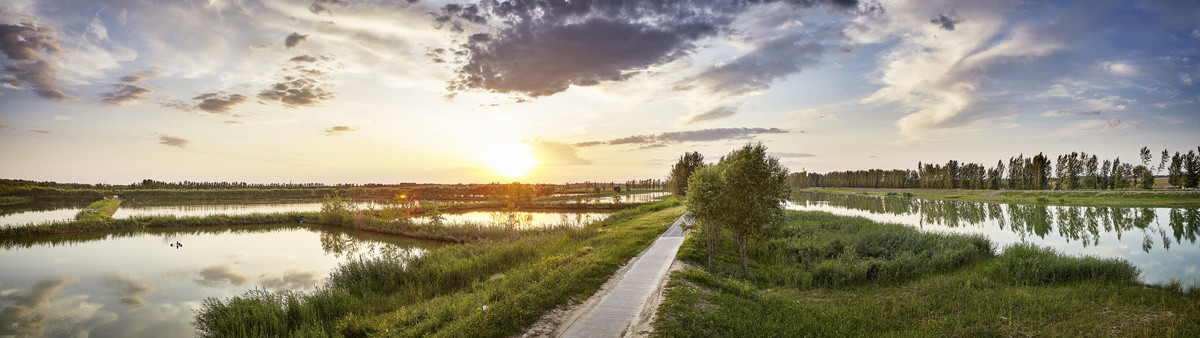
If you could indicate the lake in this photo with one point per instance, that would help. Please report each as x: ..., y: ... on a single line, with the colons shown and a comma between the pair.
x: 136, y: 283
x: 1159, y: 241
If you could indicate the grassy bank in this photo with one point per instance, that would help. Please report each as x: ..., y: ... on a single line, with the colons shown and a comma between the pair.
x: 445, y: 291
x: 99, y: 210
x: 1143, y: 198
x: 827, y: 275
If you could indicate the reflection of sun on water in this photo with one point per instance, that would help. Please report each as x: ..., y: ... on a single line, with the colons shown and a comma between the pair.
x: 512, y: 160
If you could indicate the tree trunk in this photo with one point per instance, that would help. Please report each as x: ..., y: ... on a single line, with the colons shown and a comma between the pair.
x: 710, y: 233
x: 741, y: 242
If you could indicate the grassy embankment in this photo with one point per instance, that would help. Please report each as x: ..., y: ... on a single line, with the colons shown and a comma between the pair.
x: 827, y: 275
x: 444, y: 292
x: 99, y: 210
x: 1142, y: 198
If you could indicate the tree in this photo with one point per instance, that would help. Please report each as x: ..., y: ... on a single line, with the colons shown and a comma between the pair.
x: 706, y: 203
x: 1146, y: 178
x: 682, y: 171
x: 757, y: 188
x: 1191, y: 164
x: 1175, y: 171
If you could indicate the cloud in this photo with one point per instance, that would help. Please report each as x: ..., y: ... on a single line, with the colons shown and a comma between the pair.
x: 122, y: 94
x: 790, y: 155
x: 542, y: 47
x: 218, y: 275
x: 711, y: 114
x: 553, y: 153
x: 946, y: 22
x: 338, y: 130
x: 173, y: 141
x: 936, y: 77
x: 217, y: 103
x: 305, y: 85
x: 28, y: 47
x: 769, y: 61
x: 39, y: 131
x: 1076, y: 128
x: 1120, y: 68
x: 294, y: 39
x: 1058, y: 113
x: 141, y: 76
x: 322, y: 6
x: 232, y: 122
x: 290, y: 280
x: 714, y: 134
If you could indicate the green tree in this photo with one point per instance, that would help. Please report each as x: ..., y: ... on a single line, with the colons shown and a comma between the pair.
x: 708, y: 204
x: 682, y: 171
x: 1146, y: 178
x: 757, y: 188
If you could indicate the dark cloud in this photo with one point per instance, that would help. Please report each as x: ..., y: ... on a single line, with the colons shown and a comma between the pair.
x: 945, y: 21
x: 28, y: 46
x: 294, y: 39
x: 219, y: 104
x: 712, y: 114
x: 218, y: 275
x: 542, y: 47
x: 714, y: 134
x: 173, y: 141
x: 304, y: 58
x: 553, y: 153
x: 785, y: 155
x: 291, y: 280
x: 338, y: 130
x: 772, y: 60
x: 296, y: 92
x: 39, y: 131
x: 122, y: 94
x: 322, y: 6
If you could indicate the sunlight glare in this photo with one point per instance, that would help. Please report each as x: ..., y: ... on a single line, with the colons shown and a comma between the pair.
x: 512, y: 160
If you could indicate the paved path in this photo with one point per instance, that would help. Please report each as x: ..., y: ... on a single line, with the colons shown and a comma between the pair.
x: 615, y: 313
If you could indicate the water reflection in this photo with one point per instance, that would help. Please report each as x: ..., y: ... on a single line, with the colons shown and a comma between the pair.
x: 523, y: 219
x: 631, y: 198
x: 131, y: 283
x: 1160, y: 241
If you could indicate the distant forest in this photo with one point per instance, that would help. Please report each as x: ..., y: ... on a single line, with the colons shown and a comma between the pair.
x: 1076, y: 170
x: 213, y: 190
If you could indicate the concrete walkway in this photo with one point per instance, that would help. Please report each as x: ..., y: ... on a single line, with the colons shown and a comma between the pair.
x: 615, y: 313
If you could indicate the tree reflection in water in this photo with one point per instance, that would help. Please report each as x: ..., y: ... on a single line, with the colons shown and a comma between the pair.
x: 1083, y: 225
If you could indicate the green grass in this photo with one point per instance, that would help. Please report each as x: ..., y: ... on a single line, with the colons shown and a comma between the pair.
x: 1144, y: 198
x: 99, y: 210
x: 802, y: 284
x: 442, y: 293
x: 110, y: 224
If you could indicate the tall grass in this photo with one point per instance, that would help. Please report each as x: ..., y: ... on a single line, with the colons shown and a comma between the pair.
x: 99, y: 210
x: 443, y: 292
x: 93, y: 225
x: 1028, y: 264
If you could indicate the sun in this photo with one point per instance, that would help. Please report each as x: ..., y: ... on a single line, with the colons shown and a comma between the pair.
x: 512, y: 160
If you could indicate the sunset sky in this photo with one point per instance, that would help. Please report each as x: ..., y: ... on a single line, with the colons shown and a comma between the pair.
x: 554, y: 91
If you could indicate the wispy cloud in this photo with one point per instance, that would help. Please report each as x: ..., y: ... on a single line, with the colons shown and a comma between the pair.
x: 658, y: 140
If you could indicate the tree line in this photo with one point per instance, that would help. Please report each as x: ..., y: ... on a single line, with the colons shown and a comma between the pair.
x: 1076, y: 170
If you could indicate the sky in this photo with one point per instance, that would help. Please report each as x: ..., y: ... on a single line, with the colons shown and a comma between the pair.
x: 550, y: 91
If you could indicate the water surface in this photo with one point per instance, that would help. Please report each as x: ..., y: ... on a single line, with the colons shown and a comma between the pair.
x: 1159, y: 241
x: 139, y: 284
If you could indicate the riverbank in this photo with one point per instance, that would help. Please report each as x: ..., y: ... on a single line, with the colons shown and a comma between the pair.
x: 827, y: 275
x: 1131, y: 198
x: 491, y: 288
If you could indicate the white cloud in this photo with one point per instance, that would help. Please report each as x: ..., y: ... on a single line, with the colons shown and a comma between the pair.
x: 1122, y: 68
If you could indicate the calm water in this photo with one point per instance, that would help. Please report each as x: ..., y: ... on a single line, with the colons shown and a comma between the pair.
x: 523, y: 219
x: 38, y: 212
x: 1159, y: 241
x: 134, y: 284
x: 631, y: 198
